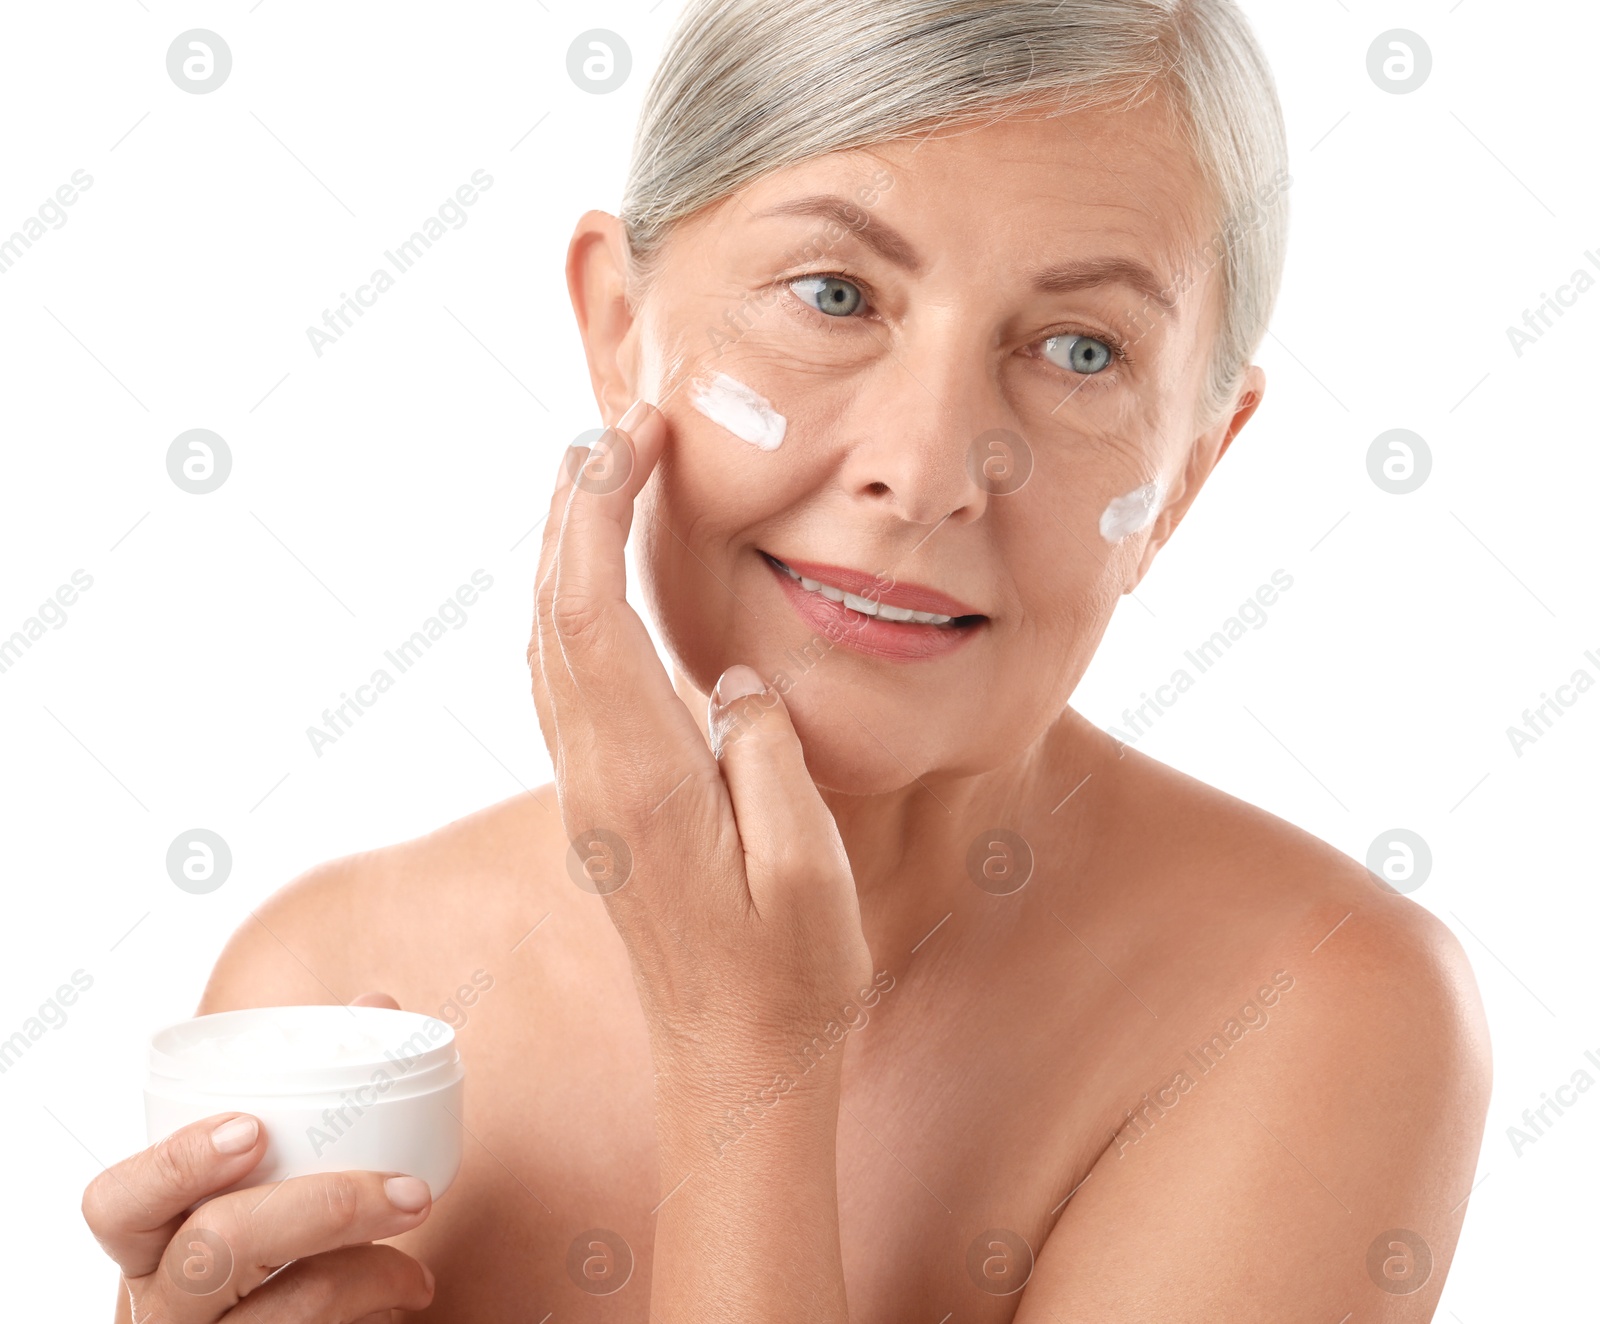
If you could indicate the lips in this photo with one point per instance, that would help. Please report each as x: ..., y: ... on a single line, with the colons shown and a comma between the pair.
x: 875, y: 636
x: 882, y: 589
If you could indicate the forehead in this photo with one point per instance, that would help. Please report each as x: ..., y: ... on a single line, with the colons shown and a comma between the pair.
x: 1099, y: 182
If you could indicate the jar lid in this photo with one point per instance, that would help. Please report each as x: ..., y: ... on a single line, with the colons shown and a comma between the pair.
x: 296, y: 1050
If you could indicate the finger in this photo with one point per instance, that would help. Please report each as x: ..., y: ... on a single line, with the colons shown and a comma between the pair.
x: 584, y: 616
x: 624, y: 744
x: 792, y: 846
x: 357, y: 1282
x: 571, y: 461
x: 613, y: 472
x: 374, y: 1000
x: 135, y: 1206
x: 227, y: 1247
x: 593, y: 644
x: 617, y: 717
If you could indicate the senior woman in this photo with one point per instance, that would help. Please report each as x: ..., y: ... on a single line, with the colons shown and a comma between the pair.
x: 847, y: 973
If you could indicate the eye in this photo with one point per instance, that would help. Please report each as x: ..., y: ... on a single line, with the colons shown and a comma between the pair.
x: 1081, y: 354
x: 829, y: 294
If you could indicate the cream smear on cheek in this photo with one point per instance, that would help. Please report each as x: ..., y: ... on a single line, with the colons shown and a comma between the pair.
x: 731, y: 404
x: 1133, y: 513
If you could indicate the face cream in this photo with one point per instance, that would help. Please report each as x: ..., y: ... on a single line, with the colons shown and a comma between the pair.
x: 1133, y: 513
x: 336, y: 1088
x: 729, y: 402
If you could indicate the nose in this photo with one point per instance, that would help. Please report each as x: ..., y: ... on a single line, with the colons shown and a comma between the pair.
x: 922, y: 450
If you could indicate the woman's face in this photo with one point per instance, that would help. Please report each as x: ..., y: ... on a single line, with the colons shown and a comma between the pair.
x: 976, y: 396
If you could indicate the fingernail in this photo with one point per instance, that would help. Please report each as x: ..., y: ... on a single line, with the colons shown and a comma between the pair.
x: 408, y: 1193
x: 571, y: 462
x: 638, y: 411
x: 736, y: 682
x: 235, y: 1136
x: 427, y: 1277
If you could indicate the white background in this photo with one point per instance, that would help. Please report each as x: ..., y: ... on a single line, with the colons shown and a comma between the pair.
x: 369, y: 483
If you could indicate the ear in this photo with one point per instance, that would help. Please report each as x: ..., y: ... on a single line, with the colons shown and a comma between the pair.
x: 1207, y: 450
x: 597, y: 283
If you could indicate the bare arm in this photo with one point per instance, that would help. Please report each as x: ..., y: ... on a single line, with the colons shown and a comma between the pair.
x: 1320, y: 1171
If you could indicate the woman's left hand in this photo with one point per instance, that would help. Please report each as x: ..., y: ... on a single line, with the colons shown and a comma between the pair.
x: 721, y: 868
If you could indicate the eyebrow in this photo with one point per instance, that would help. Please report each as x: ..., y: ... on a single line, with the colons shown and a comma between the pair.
x: 1058, y: 278
x: 879, y: 236
x: 1088, y: 273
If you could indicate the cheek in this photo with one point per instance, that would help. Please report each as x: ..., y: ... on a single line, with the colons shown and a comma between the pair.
x: 693, y: 548
x: 1069, y: 578
x: 738, y: 409
x: 751, y: 436
x: 1073, y: 586
x: 1133, y: 512
x: 688, y: 609
x: 1111, y: 473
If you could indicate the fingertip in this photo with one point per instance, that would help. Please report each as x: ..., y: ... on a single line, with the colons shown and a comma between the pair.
x: 736, y: 682
x: 375, y: 999
x: 408, y: 1194
x: 613, y: 461
x: 739, y: 703
x: 236, y: 1135
x: 645, y: 425
x: 640, y: 417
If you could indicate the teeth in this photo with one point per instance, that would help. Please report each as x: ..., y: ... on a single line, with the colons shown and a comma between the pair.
x: 866, y: 606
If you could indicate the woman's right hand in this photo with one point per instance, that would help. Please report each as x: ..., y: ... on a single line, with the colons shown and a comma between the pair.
x: 193, y: 1268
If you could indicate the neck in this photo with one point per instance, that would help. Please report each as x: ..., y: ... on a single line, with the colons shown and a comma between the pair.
x: 911, y: 849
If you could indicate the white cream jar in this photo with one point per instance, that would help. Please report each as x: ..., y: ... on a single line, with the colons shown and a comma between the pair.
x: 336, y: 1088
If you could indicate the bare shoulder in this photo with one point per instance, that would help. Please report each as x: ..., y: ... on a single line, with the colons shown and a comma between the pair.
x: 1377, y: 974
x: 1319, y: 1088
x: 375, y: 919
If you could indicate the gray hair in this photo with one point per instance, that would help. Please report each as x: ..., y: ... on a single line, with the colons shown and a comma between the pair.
x: 746, y: 87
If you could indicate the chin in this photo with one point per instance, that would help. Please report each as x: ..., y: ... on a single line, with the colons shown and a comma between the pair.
x: 850, y: 764
x: 886, y: 755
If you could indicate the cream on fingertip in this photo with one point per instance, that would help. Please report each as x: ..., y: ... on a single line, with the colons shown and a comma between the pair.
x: 737, y: 682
